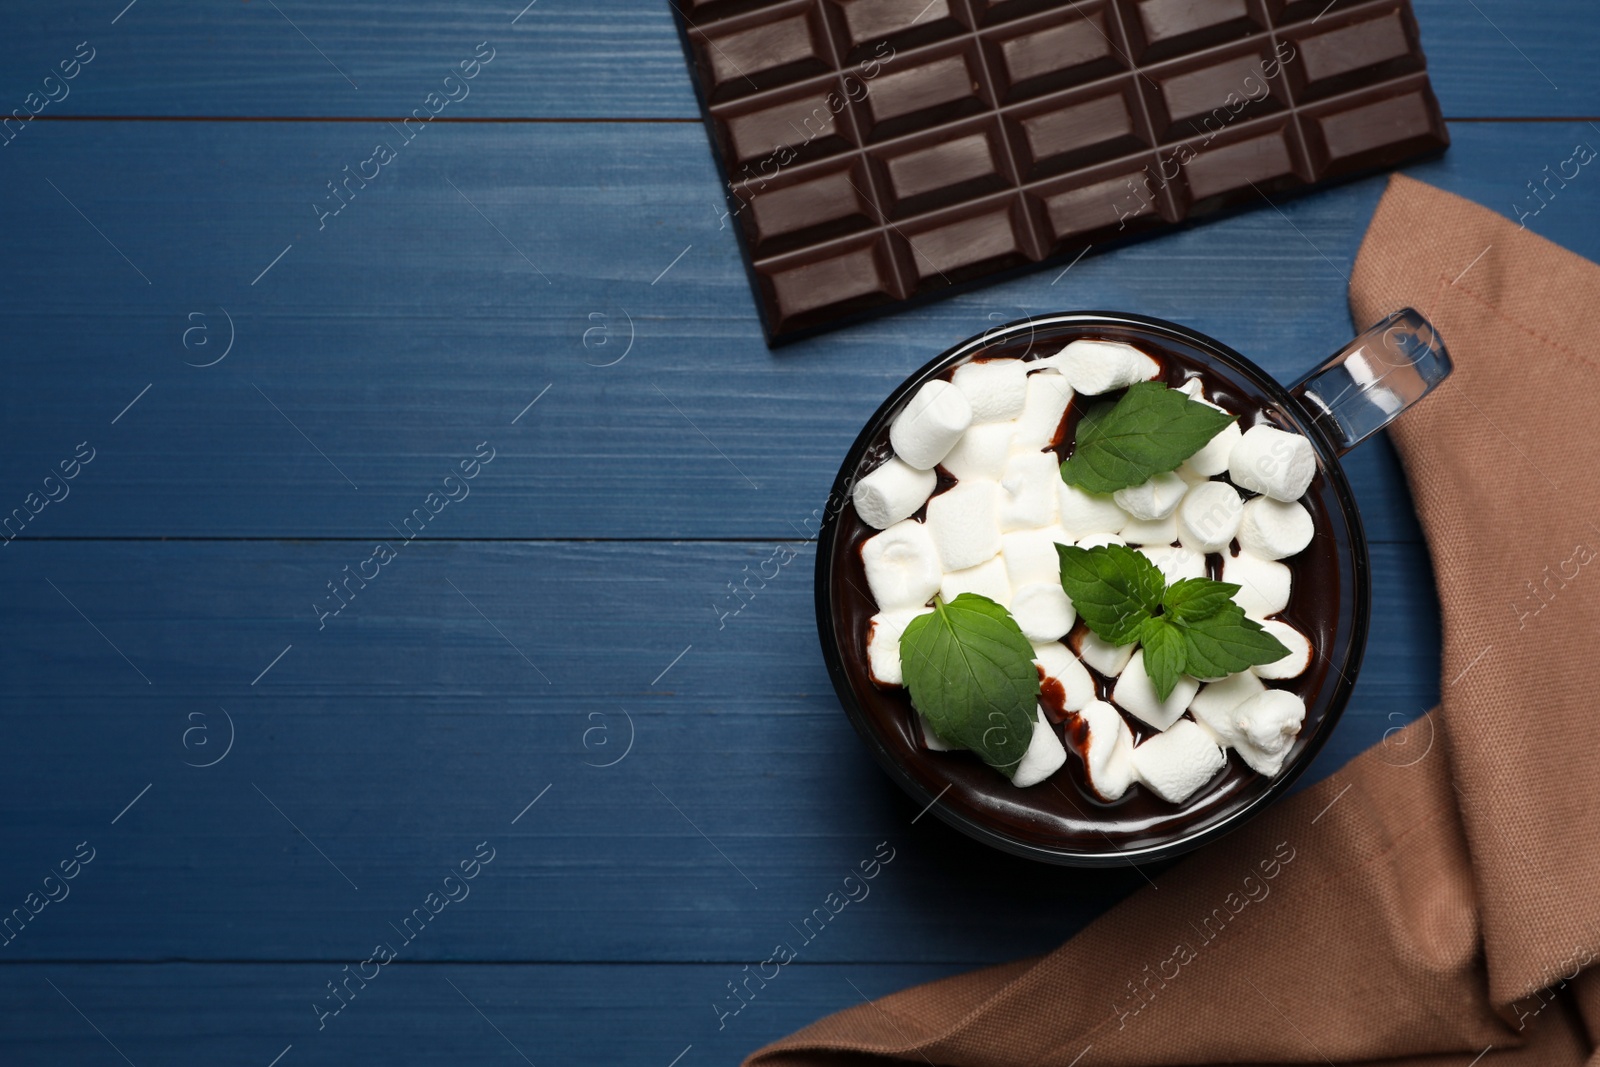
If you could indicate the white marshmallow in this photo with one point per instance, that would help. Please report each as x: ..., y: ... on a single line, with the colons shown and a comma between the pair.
x: 1043, y: 611
x: 997, y: 389
x: 1213, y: 455
x: 1268, y: 723
x: 1066, y: 670
x: 1213, y: 705
x: 883, y: 643
x: 1295, y: 663
x: 1096, y: 367
x: 1108, y: 757
x: 1153, y: 499
x: 892, y: 492
x: 1209, y: 516
x: 1100, y: 539
x: 1176, y: 562
x: 1083, y: 513
x: 1136, y: 694
x: 930, y: 424
x: 982, y: 452
x: 1269, y: 461
x: 1275, y: 529
x: 1028, y: 491
x: 1154, y: 532
x: 1175, y: 764
x: 933, y: 741
x: 902, y: 566
x: 1044, y: 757
x: 986, y: 579
x: 1102, y: 655
x: 1263, y: 584
x: 1049, y: 394
x: 964, y: 521
x: 1031, y: 556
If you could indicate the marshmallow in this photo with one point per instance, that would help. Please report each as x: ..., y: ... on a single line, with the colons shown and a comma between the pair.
x: 1108, y: 757
x: 1043, y: 611
x: 1295, y: 663
x: 1066, y: 670
x: 1099, y: 540
x: 902, y: 566
x: 1151, y: 531
x: 1028, y: 491
x: 1263, y: 584
x: 1209, y: 516
x: 1175, y: 764
x: 1271, y: 462
x: 1176, y: 562
x: 933, y: 741
x: 982, y: 452
x: 1213, y: 455
x: 1031, y: 556
x: 1084, y: 513
x: 930, y: 424
x: 964, y: 521
x: 1153, y: 499
x: 986, y: 579
x: 1102, y: 655
x: 1096, y: 367
x: 883, y: 643
x: 1044, y: 757
x: 1213, y: 705
x: 1136, y: 694
x: 1267, y: 724
x: 1039, y: 425
x: 892, y: 492
x: 997, y: 389
x: 1274, y: 529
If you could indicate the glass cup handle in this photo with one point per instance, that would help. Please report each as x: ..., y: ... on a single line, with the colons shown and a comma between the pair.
x: 1363, y: 386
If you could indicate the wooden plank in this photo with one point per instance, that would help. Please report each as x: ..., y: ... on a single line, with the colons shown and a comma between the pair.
x: 379, y: 351
x: 587, y: 1014
x: 374, y: 754
x: 599, y: 59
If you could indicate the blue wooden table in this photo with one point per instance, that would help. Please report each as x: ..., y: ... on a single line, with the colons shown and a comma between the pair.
x: 521, y: 785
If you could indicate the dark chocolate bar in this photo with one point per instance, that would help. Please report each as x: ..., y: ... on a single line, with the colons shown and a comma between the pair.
x: 878, y: 152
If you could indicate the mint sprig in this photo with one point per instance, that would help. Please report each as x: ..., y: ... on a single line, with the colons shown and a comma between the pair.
x: 971, y: 675
x: 1193, y: 626
x: 1114, y: 589
x: 1152, y: 429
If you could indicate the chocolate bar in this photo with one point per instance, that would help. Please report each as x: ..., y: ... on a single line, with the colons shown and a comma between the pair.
x: 881, y: 152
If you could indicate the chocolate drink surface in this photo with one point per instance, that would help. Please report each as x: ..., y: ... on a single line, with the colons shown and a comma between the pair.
x: 1064, y: 812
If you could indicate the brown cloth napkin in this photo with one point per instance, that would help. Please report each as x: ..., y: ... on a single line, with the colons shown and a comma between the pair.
x: 1439, y: 897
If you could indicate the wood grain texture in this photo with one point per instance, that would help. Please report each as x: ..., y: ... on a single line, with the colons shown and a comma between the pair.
x: 600, y: 58
x: 418, y: 722
x: 641, y: 1016
x: 380, y: 350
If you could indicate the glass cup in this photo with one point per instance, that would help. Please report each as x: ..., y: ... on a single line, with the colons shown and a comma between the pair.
x: 1341, y: 403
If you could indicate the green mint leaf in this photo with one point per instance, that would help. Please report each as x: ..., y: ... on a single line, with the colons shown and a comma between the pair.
x: 1166, y: 653
x: 1197, y: 598
x: 1152, y: 429
x: 1113, y: 588
x: 971, y: 674
x: 1228, y: 642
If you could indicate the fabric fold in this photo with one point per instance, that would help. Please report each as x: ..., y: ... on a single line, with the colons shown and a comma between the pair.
x: 1438, y: 897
